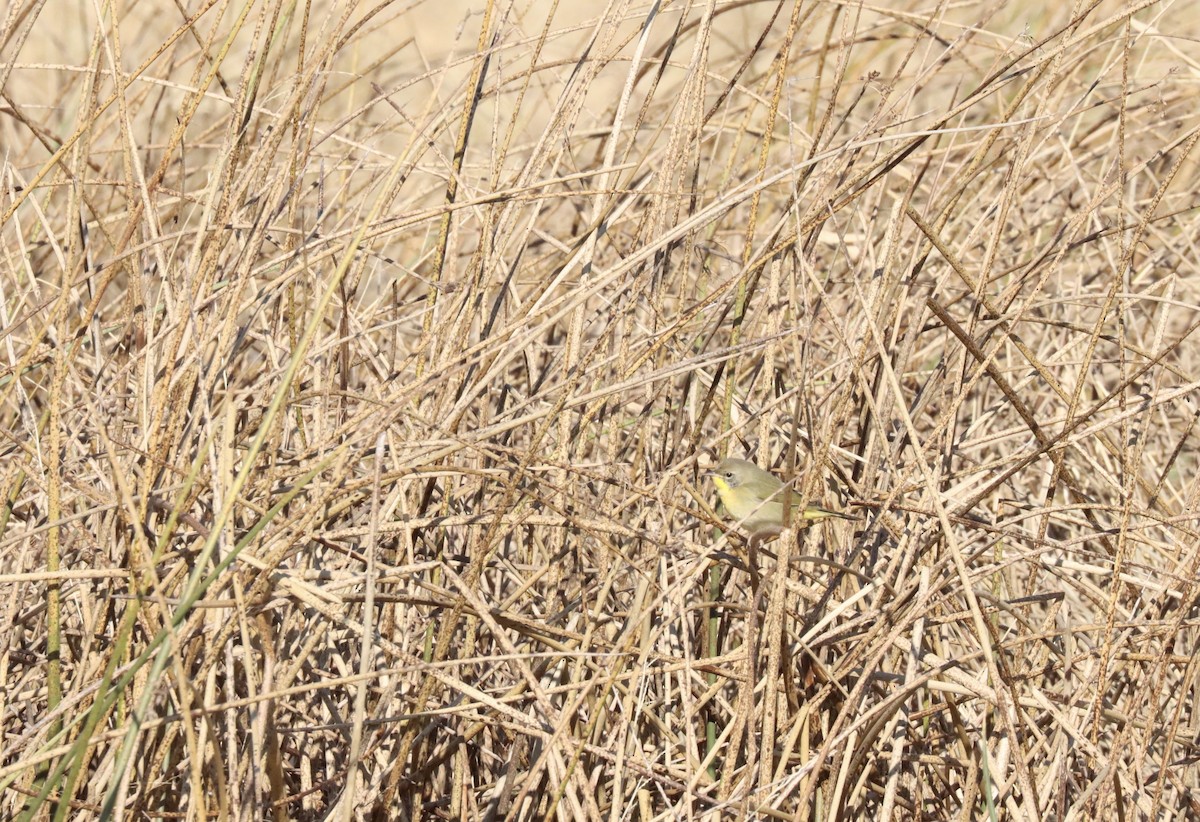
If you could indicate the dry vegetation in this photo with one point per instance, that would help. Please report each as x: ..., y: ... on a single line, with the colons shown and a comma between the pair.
x: 361, y: 364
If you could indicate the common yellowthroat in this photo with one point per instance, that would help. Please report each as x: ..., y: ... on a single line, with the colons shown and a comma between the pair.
x: 755, y: 498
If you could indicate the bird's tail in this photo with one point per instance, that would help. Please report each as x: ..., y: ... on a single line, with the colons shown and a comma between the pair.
x: 816, y: 512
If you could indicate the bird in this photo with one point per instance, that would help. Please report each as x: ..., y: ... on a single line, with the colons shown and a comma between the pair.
x: 754, y: 497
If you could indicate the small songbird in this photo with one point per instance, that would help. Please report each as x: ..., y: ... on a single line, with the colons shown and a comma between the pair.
x: 754, y: 497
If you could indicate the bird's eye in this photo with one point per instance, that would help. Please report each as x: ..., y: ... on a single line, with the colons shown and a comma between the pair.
x: 728, y: 475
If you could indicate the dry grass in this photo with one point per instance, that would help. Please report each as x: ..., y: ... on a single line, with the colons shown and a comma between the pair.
x: 361, y: 364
